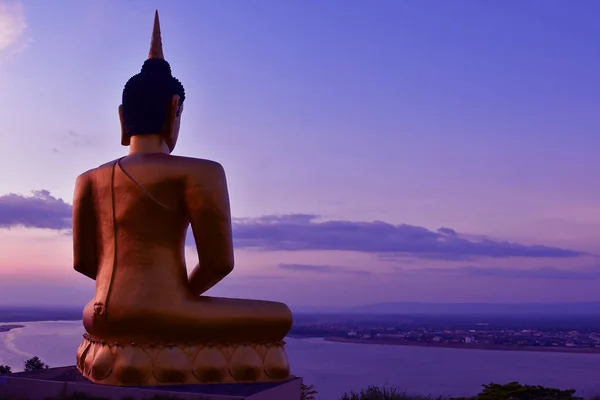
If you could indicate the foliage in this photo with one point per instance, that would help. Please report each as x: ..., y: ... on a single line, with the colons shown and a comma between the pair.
x: 35, y: 364
x: 384, y: 393
x: 516, y: 391
x: 5, y: 370
x: 308, y: 392
x: 511, y: 391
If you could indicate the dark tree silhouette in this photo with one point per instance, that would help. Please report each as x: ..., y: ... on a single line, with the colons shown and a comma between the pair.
x: 5, y: 370
x: 516, y: 391
x: 308, y: 392
x: 35, y: 364
x: 510, y: 391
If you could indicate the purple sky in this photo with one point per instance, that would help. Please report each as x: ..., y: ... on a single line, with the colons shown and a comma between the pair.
x: 440, y: 151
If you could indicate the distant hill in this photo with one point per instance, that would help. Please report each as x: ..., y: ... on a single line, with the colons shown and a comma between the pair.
x: 592, y: 308
x: 39, y: 313
x: 49, y: 313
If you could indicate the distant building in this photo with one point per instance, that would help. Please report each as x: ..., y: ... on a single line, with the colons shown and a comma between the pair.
x: 390, y: 335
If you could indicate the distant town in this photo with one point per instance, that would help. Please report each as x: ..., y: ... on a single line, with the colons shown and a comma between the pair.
x: 564, y: 334
x: 529, y: 330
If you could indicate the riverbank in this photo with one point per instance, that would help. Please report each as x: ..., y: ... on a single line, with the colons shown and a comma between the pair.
x: 37, y: 314
x: 545, y: 349
x: 6, y: 328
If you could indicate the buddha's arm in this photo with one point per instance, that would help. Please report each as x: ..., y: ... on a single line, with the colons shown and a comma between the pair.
x: 84, y: 228
x: 207, y: 202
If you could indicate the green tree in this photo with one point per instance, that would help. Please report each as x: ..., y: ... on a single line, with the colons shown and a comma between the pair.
x: 35, y: 364
x: 384, y: 393
x: 308, y: 392
x: 516, y: 391
x: 5, y: 370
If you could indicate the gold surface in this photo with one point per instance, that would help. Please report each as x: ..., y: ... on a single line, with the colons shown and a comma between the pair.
x: 156, y: 50
x: 130, y: 218
x: 158, y: 365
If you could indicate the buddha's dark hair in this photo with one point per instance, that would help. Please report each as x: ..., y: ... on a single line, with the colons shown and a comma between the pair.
x: 147, y: 98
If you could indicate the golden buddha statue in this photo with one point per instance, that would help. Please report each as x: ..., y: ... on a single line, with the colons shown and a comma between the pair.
x: 149, y: 323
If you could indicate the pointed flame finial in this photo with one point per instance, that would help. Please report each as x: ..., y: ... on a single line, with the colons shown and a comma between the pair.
x: 156, y: 50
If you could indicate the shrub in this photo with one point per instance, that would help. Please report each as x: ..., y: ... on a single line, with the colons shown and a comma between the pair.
x: 511, y: 391
x: 34, y: 364
x: 516, y: 391
x: 384, y: 393
x: 308, y: 392
x: 5, y: 370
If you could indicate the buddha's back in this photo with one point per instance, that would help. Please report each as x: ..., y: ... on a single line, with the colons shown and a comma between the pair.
x: 142, y: 205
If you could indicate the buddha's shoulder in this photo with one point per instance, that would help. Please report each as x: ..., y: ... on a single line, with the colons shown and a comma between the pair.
x: 89, y: 174
x: 198, y: 166
x: 175, y: 166
x: 85, y: 176
x: 200, y: 163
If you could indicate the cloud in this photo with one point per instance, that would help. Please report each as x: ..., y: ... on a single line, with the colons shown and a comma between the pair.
x: 323, y: 269
x: 301, y: 232
x: 304, y: 232
x: 12, y: 25
x: 41, y: 210
x: 72, y: 139
x: 78, y: 139
x: 547, y: 273
x: 447, y: 231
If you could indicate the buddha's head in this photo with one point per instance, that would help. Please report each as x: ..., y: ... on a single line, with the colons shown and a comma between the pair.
x: 153, y: 99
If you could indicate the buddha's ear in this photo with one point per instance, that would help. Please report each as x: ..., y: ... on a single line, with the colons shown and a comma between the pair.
x: 125, y: 139
x: 172, y: 126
